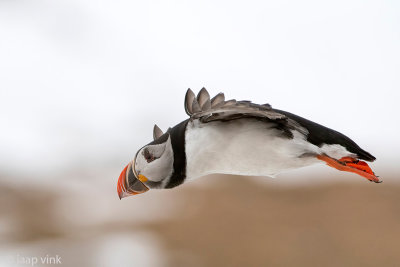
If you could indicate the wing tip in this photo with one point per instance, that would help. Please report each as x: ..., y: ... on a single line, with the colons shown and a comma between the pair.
x: 157, y: 132
x: 189, y: 97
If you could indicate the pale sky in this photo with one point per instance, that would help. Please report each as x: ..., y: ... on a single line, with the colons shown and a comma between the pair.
x: 82, y: 82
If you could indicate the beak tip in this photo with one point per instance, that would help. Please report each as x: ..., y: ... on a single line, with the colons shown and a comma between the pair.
x: 135, y: 187
x: 122, y: 194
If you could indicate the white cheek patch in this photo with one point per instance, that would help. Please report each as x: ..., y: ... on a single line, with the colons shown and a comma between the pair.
x: 140, y: 162
x: 161, y: 167
x: 156, y: 150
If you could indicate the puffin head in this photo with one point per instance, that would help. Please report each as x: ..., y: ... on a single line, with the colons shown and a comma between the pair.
x: 151, y: 168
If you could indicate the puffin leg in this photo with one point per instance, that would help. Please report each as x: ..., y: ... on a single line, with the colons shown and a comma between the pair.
x: 349, y: 164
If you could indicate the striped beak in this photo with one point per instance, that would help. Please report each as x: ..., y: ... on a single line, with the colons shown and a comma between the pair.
x: 128, y: 184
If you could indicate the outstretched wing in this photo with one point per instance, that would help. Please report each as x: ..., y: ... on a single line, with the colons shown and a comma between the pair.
x: 206, y: 109
x: 219, y: 109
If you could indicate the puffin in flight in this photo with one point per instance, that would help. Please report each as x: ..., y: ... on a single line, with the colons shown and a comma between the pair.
x: 237, y: 137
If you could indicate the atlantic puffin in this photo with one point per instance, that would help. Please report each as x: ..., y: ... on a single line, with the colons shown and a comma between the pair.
x: 237, y: 137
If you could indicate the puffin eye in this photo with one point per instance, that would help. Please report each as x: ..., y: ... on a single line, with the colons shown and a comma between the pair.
x: 148, y: 156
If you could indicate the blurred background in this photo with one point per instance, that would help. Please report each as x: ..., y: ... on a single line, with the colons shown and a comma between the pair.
x: 83, y: 82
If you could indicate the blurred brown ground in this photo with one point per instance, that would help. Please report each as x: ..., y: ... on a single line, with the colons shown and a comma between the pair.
x: 235, y: 221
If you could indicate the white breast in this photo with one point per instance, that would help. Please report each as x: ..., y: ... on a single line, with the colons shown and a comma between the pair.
x: 243, y: 147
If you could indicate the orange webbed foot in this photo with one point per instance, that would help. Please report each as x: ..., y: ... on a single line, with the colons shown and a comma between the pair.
x: 351, y: 165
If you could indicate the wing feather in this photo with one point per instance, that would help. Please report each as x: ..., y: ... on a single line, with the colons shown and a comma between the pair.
x: 196, y: 107
x: 189, y: 102
x: 201, y: 107
x: 157, y: 132
x: 217, y: 100
x: 203, y: 98
x: 219, y: 109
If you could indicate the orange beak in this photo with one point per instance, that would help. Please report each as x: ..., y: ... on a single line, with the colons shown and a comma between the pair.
x: 128, y: 184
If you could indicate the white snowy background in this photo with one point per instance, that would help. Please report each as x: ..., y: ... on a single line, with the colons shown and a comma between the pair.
x: 83, y: 82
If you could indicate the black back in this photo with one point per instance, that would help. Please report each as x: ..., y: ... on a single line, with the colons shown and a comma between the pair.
x: 319, y: 135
